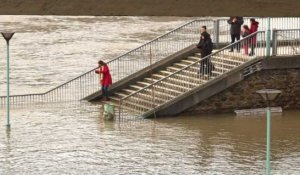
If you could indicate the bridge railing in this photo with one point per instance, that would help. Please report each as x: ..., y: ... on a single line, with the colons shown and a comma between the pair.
x: 278, y: 23
x: 193, y: 74
x: 286, y: 42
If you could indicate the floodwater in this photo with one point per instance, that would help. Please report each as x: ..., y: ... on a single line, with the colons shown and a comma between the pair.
x: 48, y: 51
x: 73, y: 138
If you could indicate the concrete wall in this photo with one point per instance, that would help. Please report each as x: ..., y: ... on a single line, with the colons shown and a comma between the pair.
x: 151, y: 7
x: 278, y: 73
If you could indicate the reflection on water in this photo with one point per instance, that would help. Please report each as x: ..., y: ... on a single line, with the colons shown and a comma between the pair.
x: 74, y: 139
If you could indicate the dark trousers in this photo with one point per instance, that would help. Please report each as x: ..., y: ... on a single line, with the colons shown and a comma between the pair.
x: 105, y: 91
x: 206, y: 66
x: 252, y: 49
x: 237, y: 38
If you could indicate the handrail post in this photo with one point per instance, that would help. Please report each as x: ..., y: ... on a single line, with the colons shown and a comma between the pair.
x: 8, y: 88
x: 268, y: 43
x: 120, y: 108
x: 274, y: 42
x: 216, y: 32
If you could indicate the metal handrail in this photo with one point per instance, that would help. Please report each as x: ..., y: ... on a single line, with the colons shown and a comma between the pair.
x: 207, y: 57
x: 113, y: 60
x: 286, y: 29
x: 149, y: 42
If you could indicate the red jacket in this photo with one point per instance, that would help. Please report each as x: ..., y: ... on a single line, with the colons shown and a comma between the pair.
x: 253, y: 29
x: 254, y: 26
x: 106, y: 77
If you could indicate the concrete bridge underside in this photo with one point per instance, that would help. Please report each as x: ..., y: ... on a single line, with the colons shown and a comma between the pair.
x: 151, y: 7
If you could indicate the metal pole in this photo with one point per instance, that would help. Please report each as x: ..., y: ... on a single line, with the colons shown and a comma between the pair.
x: 268, y: 154
x: 274, y: 43
x: 8, y: 87
x: 268, y: 43
x: 216, y: 32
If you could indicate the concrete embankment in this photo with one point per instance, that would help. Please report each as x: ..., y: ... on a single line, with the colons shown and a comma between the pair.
x: 278, y: 73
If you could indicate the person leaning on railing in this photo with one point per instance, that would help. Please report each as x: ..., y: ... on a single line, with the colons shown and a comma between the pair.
x: 105, y: 78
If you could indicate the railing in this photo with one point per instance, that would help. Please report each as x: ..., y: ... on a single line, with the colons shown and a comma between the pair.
x: 120, y: 67
x: 193, y: 75
x: 276, y: 23
x: 286, y: 42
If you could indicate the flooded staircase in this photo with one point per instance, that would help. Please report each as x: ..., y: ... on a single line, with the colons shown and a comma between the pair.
x: 163, y: 92
x: 162, y: 76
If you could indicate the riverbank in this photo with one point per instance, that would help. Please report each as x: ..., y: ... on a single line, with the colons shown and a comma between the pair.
x: 151, y: 7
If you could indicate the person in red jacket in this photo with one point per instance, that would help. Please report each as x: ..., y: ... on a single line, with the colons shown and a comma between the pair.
x: 253, y: 29
x: 106, y: 80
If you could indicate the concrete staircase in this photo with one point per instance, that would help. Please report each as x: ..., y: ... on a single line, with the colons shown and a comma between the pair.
x: 170, y: 82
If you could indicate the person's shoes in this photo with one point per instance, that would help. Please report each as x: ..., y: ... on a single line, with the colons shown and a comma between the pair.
x: 251, y: 54
x: 230, y: 51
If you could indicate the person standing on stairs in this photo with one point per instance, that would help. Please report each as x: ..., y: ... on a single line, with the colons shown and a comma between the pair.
x: 105, y: 78
x: 245, y: 43
x: 235, y: 30
x: 253, y: 29
x: 206, y: 46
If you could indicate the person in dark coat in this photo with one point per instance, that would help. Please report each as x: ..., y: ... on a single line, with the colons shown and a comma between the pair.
x: 206, y: 46
x: 235, y: 30
x: 253, y: 29
x: 105, y: 78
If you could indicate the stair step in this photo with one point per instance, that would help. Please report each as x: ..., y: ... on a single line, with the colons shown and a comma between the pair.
x: 183, y: 73
x: 136, y: 87
x: 137, y: 99
x: 158, y: 75
x: 135, y: 106
x: 188, y: 61
x: 194, y: 67
x: 221, y: 69
x: 166, y: 72
x: 227, y: 60
x: 234, y: 57
x: 158, y: 99
x: 171, y: 85
x: 181, y: 65
x: 128, y: 109
x: 174, y: 69
x: 159, y: 86
x: 129, y: 90
x: 136, y: 102
x: 230, y: 66
x: 161, y: 90
x: 193, y: 58
x: 183, y: 82
x: 143, y: 83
